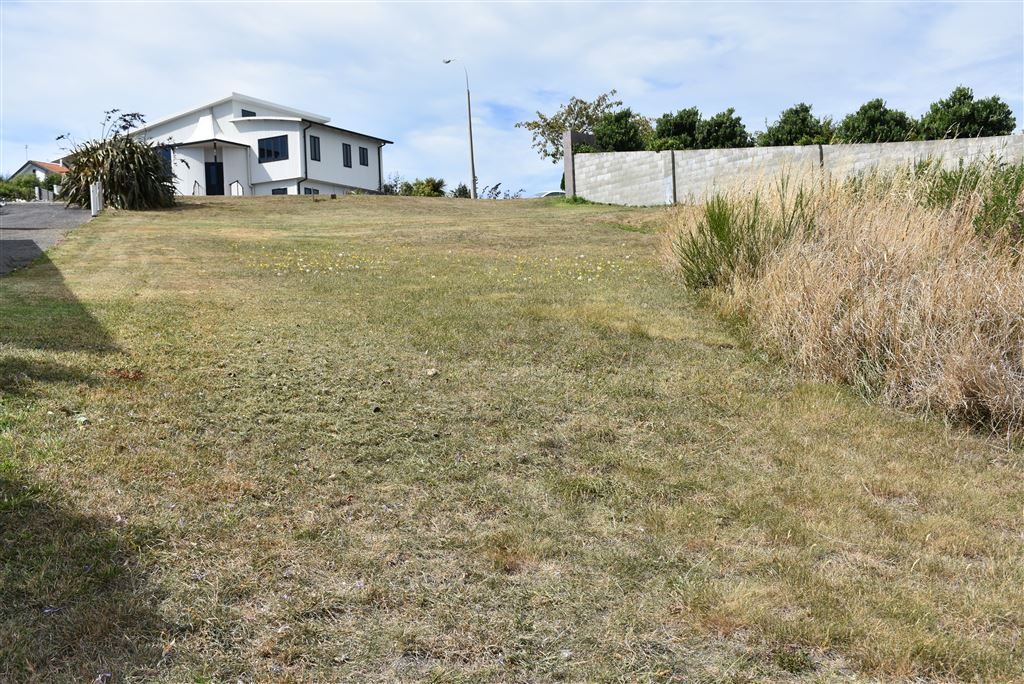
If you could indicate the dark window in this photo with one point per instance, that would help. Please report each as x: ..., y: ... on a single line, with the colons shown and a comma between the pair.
x: 364, y: 156
x: 165, y: 159
x: 279, y: 191
x: 248, y: 112
x: 346, y: 154
x: 314, y: 147
x: 273, y: 149
x: 311, y: 191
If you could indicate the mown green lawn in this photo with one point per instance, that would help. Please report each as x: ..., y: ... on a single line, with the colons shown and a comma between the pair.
x: 418, y: 439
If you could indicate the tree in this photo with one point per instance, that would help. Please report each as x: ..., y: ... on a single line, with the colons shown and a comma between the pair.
x: 19, y: 188
x: 428, y: 187
x: 133, y: 174
x: 393, y: 185
x: 578, y: 115
x: 875, y: 122
x: 461, y: 191
x: 723, y: 130
x: 961, y: 116
x: 677, y: 131
x: 51, y: 180
x: 621, y: 131
x: 795, y: 126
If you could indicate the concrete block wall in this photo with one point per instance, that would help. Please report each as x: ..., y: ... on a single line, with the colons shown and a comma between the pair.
x: 699, y: 172
x: 646, y: 178
x: 843, y: 161
x: 638, y: 178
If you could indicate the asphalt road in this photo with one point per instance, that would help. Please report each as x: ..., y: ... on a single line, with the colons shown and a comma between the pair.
x: 27, y: 229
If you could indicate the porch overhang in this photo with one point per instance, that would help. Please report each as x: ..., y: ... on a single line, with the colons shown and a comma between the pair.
x: 209, y: 141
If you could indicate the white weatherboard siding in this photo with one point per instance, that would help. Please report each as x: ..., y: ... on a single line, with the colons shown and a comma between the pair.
x: 218, y: 132
x: 330, y: 168
x: 189, y: 170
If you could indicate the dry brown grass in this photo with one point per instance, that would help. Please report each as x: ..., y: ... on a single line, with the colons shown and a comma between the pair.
x: 907, y: 303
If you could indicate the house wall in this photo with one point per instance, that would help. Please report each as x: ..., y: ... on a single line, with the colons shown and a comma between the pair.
x: 39, y: 173
x: 647, y: 178
x: 326, y: 188
x: 250, y: 132
x: 330, y: 168
x: 267, y: 188
x: 187, y: 163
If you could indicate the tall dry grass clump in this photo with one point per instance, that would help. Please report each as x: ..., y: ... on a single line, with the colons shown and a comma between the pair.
x: 908, y: 286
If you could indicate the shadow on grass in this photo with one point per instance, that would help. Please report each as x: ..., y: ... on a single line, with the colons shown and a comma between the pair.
x: 19, y: 376
x: 72, y: 604
x: 39, y: 311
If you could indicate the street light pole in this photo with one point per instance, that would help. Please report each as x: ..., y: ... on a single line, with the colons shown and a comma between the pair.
x: 469, y: 117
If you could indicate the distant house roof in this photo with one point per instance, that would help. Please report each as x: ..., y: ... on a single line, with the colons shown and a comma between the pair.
x: 45, y: 166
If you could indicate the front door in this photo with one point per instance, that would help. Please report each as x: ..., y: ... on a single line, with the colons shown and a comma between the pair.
x: 214, y: 178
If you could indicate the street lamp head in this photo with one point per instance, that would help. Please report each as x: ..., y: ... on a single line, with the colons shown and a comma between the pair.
x: 447, y: 61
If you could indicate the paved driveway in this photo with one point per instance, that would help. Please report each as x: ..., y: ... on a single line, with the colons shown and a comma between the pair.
x: 27, y: 229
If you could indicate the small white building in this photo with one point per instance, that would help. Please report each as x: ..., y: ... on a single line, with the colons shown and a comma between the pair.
x: 242, y: 145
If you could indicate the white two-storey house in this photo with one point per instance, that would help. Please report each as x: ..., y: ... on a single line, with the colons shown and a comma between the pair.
x: 242, y: 145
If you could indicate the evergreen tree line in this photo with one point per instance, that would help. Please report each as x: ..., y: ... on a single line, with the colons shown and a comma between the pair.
x: 960, y: 115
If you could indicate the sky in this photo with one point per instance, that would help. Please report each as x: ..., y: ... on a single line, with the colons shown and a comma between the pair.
x: 377, y: 67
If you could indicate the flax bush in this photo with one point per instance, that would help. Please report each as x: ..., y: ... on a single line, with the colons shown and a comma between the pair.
x: 132, y: 173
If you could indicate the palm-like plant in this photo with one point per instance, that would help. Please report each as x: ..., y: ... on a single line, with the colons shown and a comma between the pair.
x: 132, y: 172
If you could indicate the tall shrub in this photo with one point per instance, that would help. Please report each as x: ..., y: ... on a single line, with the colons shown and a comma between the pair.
x: 723, y: 130
x: 677, y: 131
x: 962, y: 116
x: 19, y: 188
x: 428, y: 187
x: 796, y: 126
x: 876, y: 122
x: 621, y: 131
x: 733, y: 235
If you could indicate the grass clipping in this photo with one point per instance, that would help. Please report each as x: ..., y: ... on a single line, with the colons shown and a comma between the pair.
x: 902, y: 285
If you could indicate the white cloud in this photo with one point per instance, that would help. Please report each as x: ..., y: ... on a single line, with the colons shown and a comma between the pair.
x: 377, y: 67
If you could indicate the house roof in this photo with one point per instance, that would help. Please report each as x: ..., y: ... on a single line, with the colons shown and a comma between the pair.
x: 209, y: 130
x: 45, y: 166
x: 298, y: 113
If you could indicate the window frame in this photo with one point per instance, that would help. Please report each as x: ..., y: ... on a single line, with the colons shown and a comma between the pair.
x: 314, y: 148
x: 310, y: 191
x: 246, y: 113
x: 260, y: 148
x: 346, y: 155
x: 364, y: 156
x: 278, y: 191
